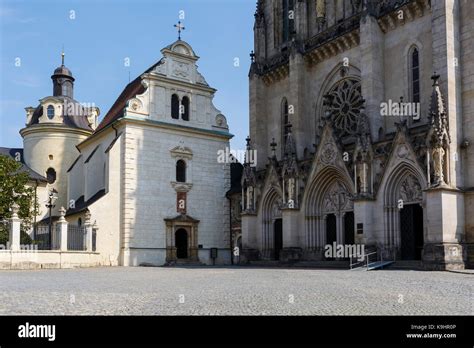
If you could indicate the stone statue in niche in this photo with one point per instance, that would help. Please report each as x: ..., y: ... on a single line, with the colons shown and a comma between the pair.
x: 438, y: 164
x: 291, y: 189
x: 250, y: 198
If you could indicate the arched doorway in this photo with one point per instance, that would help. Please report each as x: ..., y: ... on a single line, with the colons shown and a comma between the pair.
x: 181, y: 243
x: 411, y: 232
x: 278, y: 237
x: 404, y: 220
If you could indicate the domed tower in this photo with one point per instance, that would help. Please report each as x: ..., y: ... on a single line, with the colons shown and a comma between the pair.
x: 53, y: 129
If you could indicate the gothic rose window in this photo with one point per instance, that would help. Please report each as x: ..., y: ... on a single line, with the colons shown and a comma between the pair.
x: 345, y: 108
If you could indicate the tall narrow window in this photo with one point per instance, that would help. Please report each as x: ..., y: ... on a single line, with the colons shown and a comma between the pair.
x: 175, y: 106
x: 185, y: 108
x: 285, y: 120
x: 288, y: 20
x: 415, y: 76
x: 181, y: 171
x: 50, y: 112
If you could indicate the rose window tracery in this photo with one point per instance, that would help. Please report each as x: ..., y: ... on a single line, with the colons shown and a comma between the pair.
x: 345, y: 106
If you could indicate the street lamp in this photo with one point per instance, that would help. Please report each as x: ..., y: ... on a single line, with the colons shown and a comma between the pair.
x: 52, y: 197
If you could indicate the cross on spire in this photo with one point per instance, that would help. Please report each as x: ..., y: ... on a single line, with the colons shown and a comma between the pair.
x: 62, y: 56
x: 180, y: 28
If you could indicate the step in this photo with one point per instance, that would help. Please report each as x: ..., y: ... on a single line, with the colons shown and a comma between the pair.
x: 407, y: 265
x: 302, y: 264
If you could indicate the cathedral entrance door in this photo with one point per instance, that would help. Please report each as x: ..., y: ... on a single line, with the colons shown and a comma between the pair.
x: 278, y: 237
x: 349, y: 228
x: 411, y: 232
x: 331, y: 231
x: 181, y: 243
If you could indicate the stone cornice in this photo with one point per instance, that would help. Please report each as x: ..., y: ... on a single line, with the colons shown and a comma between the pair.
x: 53, y: 128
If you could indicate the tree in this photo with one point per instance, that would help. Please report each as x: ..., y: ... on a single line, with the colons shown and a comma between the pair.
x: 14, y: 188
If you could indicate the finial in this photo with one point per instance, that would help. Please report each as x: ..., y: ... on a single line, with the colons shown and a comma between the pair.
x: 273, y: 146
x: 180, y: 28
x: 62, y: 56
x: 252, y: 56
x: 435, y: 79
x: 247, y: 140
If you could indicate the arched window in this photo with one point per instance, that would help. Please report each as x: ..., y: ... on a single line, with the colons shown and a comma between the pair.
x: 288, y: 19
x: 79, y: 222
x: 414, y: 74
x: 51, y: 175
x: 50, y: 112
x: 175, y: 106
x: 185, y: 108
x: 285, y: 120
x: 181, y: 171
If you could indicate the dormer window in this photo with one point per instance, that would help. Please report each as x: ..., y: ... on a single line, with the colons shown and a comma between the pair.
x: 50, y: 112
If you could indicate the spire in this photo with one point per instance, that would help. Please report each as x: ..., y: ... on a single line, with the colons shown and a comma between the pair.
x: 437, y: 115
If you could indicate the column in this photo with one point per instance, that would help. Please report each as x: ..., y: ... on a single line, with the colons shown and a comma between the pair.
x: 62, y: 223
x: 88, y: 227
x: 15, y: 224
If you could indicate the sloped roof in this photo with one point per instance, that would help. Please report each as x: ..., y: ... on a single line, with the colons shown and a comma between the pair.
x: 69, y: 120
x: 133, y: 89
x: 12, y: 152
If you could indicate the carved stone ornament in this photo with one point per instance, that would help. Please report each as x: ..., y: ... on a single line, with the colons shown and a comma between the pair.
x: 410, y: 190
x: 328, y: 154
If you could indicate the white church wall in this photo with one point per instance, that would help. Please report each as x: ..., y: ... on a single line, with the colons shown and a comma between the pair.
x: 76, y: 182
x: 57, y: 150
x: 150, y: 198
x: 106, y: 212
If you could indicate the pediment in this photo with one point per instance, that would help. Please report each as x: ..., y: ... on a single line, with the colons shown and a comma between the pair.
x: 181, y: 152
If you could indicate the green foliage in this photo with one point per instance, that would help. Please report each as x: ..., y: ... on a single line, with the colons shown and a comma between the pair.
x: 14, y: 189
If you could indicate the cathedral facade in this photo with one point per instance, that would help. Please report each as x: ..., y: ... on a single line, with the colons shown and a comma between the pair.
x: 361, y: 114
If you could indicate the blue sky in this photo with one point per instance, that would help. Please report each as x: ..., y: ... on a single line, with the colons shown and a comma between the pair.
x: 104, y: 33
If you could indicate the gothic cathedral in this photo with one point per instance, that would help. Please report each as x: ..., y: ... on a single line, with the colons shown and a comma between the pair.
x: 361, y: 116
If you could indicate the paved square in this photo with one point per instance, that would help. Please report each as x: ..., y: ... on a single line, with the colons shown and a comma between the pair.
x: 234, y: 291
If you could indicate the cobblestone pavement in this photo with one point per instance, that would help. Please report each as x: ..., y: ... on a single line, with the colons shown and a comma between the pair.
x: 234, y: 291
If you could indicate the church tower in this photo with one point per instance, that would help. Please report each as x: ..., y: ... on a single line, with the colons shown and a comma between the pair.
x: 53, y: 129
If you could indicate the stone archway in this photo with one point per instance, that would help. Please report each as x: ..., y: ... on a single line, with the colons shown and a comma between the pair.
x: 328, y: 201
x: 181, y: 238
x: 271, y: 212
x: 404, y: 214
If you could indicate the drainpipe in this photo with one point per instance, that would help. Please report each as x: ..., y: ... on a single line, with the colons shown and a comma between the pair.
x: 35, y: 210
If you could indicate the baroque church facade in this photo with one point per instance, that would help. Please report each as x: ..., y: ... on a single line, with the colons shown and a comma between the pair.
x: 333, y: 165
x: 147, y: 175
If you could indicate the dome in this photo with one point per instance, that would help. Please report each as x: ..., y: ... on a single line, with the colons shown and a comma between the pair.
x: 63, y: 70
